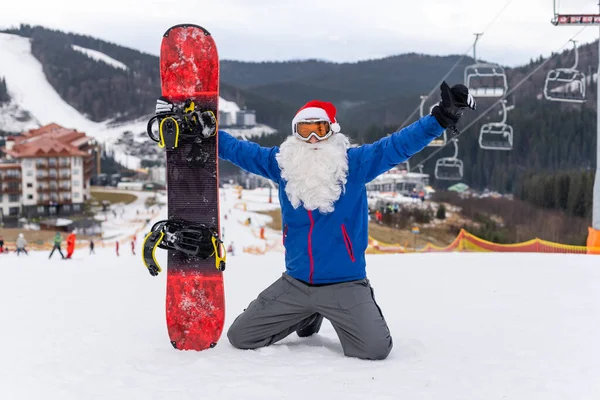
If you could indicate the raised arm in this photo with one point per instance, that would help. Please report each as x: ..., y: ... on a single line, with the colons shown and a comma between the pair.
x: 374, y: 159
x: 249, y: 156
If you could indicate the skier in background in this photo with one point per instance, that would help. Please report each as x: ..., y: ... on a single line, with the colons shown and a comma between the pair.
x: 117, y: 248
x: 324, y: 217
x: 133, y: 245
x: 21, y: 243
x: 92, y: 247
x: 1, y: 244
x: 57, y: 242
x: 70, y: 245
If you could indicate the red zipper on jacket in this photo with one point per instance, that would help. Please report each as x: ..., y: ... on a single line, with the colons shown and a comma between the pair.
x: 310, y: 254
x: 348, y: 243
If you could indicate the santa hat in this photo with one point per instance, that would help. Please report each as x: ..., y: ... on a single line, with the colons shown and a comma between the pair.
x: 322, y: 110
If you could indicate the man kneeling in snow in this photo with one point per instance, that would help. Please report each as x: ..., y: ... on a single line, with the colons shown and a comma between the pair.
x: 325, y: 225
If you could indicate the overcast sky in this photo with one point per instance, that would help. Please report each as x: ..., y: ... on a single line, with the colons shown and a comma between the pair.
x: 334, y: 30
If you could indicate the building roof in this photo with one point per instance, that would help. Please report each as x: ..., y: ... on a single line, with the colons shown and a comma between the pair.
x: 49, y: 141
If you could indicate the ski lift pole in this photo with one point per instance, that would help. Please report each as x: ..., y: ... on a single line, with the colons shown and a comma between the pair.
x: 593, y: 240
x: 477, y: 35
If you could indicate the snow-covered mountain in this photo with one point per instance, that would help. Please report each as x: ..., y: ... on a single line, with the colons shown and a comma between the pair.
x: 34, y: 102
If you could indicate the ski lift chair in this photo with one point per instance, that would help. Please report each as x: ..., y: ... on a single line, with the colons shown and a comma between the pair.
x: 497, y: 135
x: 566, y: 84
x: 486, y: 80
x: 449, y: 168
x: 441, y: 140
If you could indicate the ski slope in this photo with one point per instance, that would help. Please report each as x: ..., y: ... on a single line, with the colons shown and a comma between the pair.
x: 99, y: 56
x: 465, y: 326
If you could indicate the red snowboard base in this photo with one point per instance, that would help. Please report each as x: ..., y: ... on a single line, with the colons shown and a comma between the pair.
x: 195, y: 315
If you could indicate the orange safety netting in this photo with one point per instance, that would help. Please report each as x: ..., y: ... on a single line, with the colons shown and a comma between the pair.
x: 467, y: 242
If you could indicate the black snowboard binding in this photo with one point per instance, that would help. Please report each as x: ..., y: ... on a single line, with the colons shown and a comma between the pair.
x: 197, y: 240
x: 182, y: 124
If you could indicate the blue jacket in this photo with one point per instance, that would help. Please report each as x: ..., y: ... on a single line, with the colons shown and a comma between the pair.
x: 329, y: 248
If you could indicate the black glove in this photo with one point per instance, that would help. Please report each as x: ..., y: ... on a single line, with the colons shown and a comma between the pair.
x: 454, y: 101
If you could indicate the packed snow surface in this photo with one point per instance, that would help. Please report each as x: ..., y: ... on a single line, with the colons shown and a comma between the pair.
x: 465, y: 326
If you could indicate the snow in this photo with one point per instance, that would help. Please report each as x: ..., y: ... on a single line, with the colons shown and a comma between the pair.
x: 465, y: 326
x: 63, y: 222
x: 28, y: 87
x: 14, y: 120
x: 99, y: 56
x: 228, y: 106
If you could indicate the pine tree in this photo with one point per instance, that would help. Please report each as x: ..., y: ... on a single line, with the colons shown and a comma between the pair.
x: 4, y: 97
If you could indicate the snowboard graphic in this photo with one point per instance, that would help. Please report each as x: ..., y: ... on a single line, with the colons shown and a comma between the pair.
x: 195, y: 304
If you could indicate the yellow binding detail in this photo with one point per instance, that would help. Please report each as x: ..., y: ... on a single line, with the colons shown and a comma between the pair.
x: 161, y: 144
x: 219, y: 253
x: 162, y: 234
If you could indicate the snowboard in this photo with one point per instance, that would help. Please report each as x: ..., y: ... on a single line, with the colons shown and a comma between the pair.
x: 195, y: 303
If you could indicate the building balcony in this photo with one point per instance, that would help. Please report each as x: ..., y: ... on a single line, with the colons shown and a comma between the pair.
x: 11, y: 190
x: 43, y: 189
x: 43, y: 178
x: 10, y: 178
x: 65, y: 188
x: 53, y: 202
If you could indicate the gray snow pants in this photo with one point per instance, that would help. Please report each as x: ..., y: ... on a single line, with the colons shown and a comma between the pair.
x: 283, y: 307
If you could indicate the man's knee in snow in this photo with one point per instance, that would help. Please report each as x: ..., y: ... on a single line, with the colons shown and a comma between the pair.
x: 381, y: 350
x: 235, y: 337
x: 238, y: 338
x: 376, y: 350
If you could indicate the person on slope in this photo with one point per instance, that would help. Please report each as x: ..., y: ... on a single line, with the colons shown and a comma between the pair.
x: 71, y: 239
x: 324, y: 210
x: 57, y: 242
x: 21, y: 243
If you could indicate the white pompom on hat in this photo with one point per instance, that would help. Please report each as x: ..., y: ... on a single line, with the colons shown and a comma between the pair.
x: 316, y: 109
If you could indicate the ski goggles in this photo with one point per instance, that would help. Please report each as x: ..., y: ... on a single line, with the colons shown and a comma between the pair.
x: 304, y: 130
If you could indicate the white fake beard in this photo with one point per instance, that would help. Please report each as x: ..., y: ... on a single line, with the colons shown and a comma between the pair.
x: 315, y: 174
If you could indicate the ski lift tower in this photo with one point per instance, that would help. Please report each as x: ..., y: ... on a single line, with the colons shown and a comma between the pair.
x: 593, y: 240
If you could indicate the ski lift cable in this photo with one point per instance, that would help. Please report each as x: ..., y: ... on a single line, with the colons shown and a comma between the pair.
x: 436, y: 87
x: 501, y: 99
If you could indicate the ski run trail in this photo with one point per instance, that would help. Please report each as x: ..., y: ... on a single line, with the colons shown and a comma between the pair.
x: 465, y: 326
